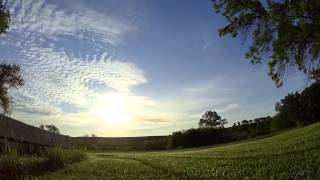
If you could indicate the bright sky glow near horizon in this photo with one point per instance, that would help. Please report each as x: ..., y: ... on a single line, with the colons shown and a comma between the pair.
x: 131, y: 68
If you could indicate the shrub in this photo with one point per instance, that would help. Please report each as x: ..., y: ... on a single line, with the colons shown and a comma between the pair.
x: 13, y: 166
x: 58, y: 158
x: 199, y: 137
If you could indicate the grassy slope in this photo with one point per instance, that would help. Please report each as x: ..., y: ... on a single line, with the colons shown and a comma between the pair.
x: 292, y: 155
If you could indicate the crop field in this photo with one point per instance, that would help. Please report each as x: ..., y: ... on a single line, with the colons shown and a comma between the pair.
x: 294, y: 154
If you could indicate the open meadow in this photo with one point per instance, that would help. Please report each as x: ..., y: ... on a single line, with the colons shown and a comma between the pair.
x: 291, y: 155
x: 160, y: 90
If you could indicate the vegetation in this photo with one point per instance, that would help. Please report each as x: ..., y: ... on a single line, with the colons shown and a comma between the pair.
x: 10, y: 76
x: 50, y: 128
x: 120, y: 143
x: 245, y: 129
x: 297, y: 109
x: 15, y: 166
x: 291, y: 155
x: 4, y: 17
x: 284, y: 33
x: 211, y: 119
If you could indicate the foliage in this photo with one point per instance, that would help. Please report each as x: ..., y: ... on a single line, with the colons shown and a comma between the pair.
x: 284, y: 33
x: 15, y: 166
x: 9, y: 78
x: 199, y: 137
x: 250, y: 128
x: 50, y: 128
x: 4, y: 17
x: 58, y: 158
x: 157, y: 144
x: 290, y: 155
x: 209, y: 136
x: 298, y: 108
x: 9, y: 73
x: 211, y: 119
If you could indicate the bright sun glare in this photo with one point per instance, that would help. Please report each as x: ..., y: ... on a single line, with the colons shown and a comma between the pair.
x: 114, y: 109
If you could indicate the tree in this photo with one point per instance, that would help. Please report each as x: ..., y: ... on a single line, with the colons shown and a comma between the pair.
x: 52, y: 128
x: 310, y: 100
x: 211, y: 119
x: 9, y: 73
x: 4, y: 17
x: 9, y: 78
x: 41, y: 126
x: 285, y: 33
x: 298, y: 108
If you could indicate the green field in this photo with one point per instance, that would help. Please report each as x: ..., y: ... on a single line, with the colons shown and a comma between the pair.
x: 293, y: 154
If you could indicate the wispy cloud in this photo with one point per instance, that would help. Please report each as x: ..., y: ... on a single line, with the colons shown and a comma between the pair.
x: 52, y: 21
x: 56, y: 77
x: 154, y: 120
x: 46, y: 38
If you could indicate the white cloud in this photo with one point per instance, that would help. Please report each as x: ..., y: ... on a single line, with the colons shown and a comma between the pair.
x: 51, y: 21
x: 56, y: 77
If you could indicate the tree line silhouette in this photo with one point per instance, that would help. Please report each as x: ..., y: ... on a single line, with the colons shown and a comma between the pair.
x: 294, y: 110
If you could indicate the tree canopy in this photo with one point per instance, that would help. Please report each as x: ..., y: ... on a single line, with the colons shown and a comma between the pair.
x: 4, y: 17
x: 9, y: 73
x: 9, y: 78
x: 298, y: 108
x: 285, y: 33
x: 50, y: 128
x: 211, y: 119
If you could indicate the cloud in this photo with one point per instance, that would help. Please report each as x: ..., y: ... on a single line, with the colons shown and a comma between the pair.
x: 68, y: 62
x: 154, y: 120
x: 51, y: 21
x: 55, y: 77
x: 213, y: 86
x: 228, y: 107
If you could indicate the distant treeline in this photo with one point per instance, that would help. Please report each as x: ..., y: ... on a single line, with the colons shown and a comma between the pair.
x: 294, y: 110
x: 203, y: 136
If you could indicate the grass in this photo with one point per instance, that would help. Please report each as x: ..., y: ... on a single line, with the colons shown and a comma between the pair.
x: 291, y: 155
x: 15, y: 166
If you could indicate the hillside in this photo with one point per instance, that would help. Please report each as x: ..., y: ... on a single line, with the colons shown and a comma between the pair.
x: 291, y: 155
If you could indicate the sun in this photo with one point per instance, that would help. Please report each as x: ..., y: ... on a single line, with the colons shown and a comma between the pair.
x: 113, y: 109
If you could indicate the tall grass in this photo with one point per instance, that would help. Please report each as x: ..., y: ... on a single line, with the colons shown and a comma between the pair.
x: 59, y: 158
x: 14, y: 166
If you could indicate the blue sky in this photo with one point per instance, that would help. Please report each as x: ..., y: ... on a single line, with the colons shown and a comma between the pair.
x: 132, y: 68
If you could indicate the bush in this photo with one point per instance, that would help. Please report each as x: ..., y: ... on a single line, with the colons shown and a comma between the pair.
x: 58, y: 158
x: 157, y: 144
x: 14, y: 166
x: 199, y: 137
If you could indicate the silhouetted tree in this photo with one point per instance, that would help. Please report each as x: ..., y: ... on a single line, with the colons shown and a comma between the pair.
x: 4, y: 17
x: 244, y: 122
x: 9, y: 74
x: 9, y: 78
x: 41, y: 126
x: 52, y: 128
x: 211, y: 119
x: 284, y: 33
x: 310, y: 103
x: 298, y: 108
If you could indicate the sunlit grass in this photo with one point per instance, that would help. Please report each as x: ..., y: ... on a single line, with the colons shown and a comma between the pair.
x: 292, y: 155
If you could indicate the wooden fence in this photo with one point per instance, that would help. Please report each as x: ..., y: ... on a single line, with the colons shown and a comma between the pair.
x: 23, y: 136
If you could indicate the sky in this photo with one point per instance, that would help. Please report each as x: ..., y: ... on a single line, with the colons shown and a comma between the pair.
x: 132, y: 68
